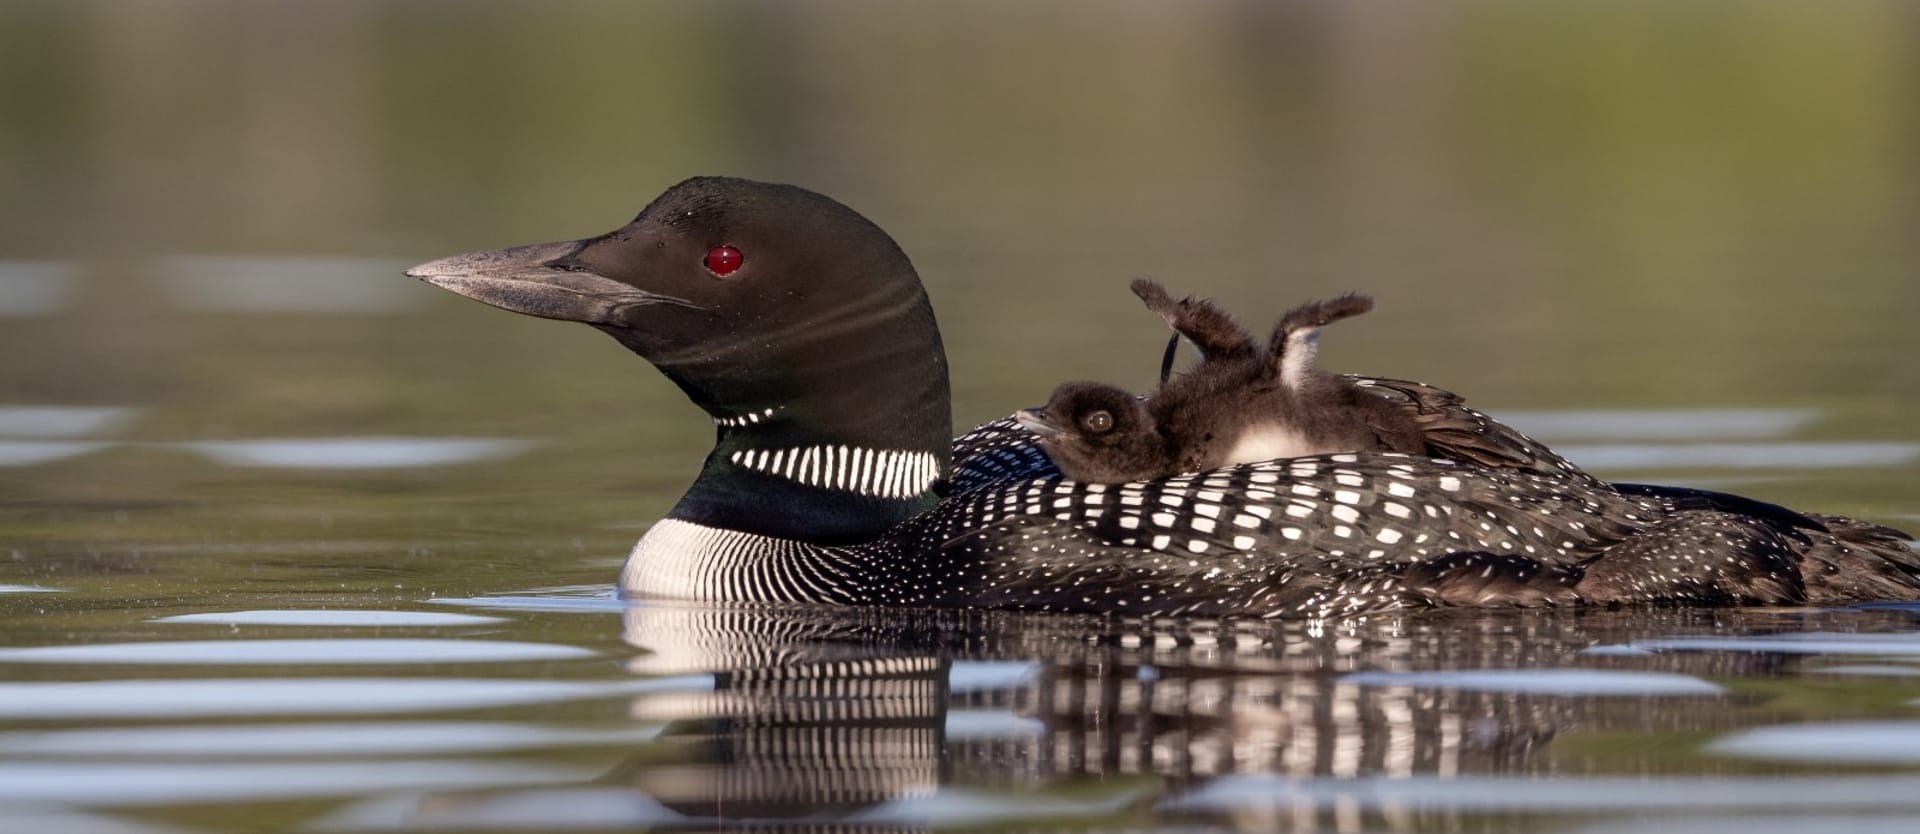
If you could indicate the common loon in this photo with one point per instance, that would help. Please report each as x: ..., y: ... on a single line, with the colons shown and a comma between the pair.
x: 1241, y: 404
x: 803, y: 331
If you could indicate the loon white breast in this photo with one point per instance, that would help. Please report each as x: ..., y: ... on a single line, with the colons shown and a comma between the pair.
x: 804, y: 332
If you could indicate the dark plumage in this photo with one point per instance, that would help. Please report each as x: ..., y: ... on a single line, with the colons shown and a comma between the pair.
x: 804, y: 333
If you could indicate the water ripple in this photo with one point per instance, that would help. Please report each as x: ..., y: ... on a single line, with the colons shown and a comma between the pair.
x: 1772, y: 824
x: 1544, y: 681
x: 35, y: 288
x: 1835, y: 742
x: 357, y: 452
x: 606, y: 603
x: 62, y: 421
x: 239, y: 697
x: 324, y: 739
x: 1808, y: 642
x: 32, y: 452
x: 533, y: 810
x: 332, y: 617
x: 305, y: 652
x: 172, y: 783
x: 1241, y: 793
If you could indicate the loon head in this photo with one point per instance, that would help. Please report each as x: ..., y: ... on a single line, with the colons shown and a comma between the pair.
x: 1097, y: 433
x: 798, y: 325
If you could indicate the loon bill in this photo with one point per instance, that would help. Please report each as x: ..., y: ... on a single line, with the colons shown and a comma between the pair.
x: 803, y: 331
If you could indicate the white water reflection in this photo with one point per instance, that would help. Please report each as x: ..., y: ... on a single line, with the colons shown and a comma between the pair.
x: 174, y: 783
x: 1741, y: 455
x: 30, y: 818
x: 31, y: 452
x: 604, y: 603
x: 990, y: 676
x: 1660, y: 423
x: 1809, y: 642
x: 626, y: 809
x: 357, y: 452
x: 967, y: 808
x: 333, y: 617
x: 30, y: 589
x: 35, y: 288
x: 242, y: 697
x: 289, y: 285
x: 61, y: 421
x: 1563, y: 793
x: 533, y: 810
x: 1589, y: 682
x: 1835, y: 742
x: 336, y: 739
x: 303, y: 652
x: 980, y: 724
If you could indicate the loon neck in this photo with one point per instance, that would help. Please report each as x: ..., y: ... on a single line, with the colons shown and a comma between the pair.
x: 773, y: 472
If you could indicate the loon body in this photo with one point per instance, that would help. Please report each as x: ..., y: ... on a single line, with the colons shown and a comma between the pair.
x: 1241, y: 404
x: 804, y: 333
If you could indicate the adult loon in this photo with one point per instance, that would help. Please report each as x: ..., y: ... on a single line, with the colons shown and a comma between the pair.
x: 803, y: 331
x: 1241, y: 404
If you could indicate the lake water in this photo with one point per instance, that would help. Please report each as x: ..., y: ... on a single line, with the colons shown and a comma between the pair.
x: 291, y: 542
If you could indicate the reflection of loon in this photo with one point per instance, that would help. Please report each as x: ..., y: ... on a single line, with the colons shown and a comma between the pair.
x: 825, y: 712
x: 802, y: 329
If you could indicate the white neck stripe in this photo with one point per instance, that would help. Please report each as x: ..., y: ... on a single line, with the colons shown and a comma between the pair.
x: 747, y: 419
x: 883, y: 473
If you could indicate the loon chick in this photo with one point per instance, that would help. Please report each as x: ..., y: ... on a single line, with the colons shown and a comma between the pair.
x: 1241, y: 404
x: 1098, y: 433
x: 802, y: 330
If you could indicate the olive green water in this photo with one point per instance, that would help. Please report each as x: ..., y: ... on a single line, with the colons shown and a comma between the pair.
x: 1677, y: 243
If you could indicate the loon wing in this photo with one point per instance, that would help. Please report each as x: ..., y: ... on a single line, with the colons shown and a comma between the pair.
x: 1346, y: 534
x: 1315, y: 536
x: 1457, y: 432
x: 1689, y: 498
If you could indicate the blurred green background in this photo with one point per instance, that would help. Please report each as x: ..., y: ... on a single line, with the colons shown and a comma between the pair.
x: 208, y: 203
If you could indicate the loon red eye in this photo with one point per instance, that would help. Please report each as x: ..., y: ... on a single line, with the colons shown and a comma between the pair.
x: 722, y: 260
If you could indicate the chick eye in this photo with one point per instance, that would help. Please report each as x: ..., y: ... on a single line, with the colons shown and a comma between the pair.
x: 722, y: 260
x: 1099, y: 421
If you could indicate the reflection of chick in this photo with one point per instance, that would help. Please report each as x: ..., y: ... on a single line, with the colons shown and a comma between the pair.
x: 1239, y: 405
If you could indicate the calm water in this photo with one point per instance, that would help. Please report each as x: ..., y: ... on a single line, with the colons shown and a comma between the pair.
x: 290, y: 542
